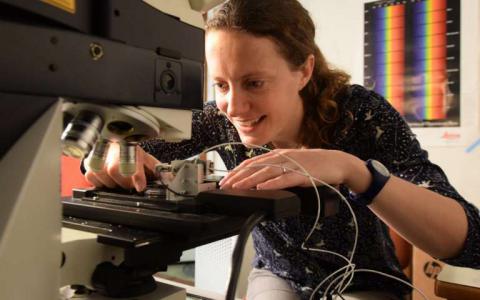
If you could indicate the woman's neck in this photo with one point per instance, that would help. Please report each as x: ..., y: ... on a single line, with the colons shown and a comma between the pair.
x: 285, y: 145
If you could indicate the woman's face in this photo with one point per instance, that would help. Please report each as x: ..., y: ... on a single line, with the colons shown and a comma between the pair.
x: 255, y: 87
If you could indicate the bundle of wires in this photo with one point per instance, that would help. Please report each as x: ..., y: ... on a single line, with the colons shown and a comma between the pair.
x: 339, y: 279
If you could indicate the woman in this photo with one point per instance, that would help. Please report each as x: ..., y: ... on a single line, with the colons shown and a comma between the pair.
x: 275, y: 88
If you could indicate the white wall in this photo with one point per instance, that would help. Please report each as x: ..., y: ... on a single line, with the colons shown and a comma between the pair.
x: 340, y: 37
x: 339, y: 25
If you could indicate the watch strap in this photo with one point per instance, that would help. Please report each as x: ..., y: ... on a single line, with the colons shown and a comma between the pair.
x: 376, y: 185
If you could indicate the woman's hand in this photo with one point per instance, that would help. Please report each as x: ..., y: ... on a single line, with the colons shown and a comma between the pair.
x: 110, y: 175
x: 331, y: 166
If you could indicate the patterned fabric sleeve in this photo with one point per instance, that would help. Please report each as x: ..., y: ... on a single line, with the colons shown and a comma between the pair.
x: 395, y: 145
x: 207, y: 130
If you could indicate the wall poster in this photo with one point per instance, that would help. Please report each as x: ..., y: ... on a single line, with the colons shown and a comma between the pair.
x: 412, y: 57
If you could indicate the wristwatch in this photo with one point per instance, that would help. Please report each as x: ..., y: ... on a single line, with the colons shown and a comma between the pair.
x: 380, y: 176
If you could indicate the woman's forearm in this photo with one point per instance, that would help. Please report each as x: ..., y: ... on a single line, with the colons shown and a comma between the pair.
x: 434, y: 223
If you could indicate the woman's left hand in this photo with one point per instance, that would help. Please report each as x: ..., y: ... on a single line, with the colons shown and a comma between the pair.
x: 274, y: 170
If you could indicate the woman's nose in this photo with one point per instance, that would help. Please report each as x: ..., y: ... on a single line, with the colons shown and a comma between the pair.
x: 237, y: 103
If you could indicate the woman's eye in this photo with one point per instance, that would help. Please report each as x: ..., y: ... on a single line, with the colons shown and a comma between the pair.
x: 222, y: 87
x: 254, y: 84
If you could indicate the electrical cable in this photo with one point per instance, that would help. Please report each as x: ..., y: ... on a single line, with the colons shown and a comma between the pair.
x: 340, y: 295
x: 237, y: 255
x: 307, y: 174
x: 348, y: 260
x: 350, y: 267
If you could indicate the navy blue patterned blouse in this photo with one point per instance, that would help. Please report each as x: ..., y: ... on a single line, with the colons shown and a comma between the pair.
x: 377, y: 132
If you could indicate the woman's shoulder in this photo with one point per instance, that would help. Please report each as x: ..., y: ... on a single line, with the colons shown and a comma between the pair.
x: 209, y: 112
x: 359, y: 90
x: 361, y: 96
x: 369, y: 114
x: 211, y: 119
x: 362, y: 101
x: 210, y: 108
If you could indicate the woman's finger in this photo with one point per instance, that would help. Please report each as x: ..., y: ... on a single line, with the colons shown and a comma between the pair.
x: 247, y: 167
x: 267, y: 172
x: 236, y: 176
x: 241, y: 171
x: 289, y: 179
x: 92, y: 179
x: 139, y: 179
x: 103, y: 178
x: 150, y: 162
x: 100, y: 178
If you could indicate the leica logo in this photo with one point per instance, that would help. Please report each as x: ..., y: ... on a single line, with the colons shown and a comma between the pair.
x: 450, y: 135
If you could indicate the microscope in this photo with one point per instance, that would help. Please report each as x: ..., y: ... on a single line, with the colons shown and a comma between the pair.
x: 77, y: 76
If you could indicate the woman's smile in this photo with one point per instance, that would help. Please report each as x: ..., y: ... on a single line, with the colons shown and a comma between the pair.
x: 248, y: 125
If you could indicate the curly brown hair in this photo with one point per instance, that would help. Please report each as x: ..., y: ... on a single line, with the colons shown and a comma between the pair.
x: 289, y: 24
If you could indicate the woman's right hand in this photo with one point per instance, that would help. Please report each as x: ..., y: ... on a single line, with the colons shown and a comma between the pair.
x: 110, y: 175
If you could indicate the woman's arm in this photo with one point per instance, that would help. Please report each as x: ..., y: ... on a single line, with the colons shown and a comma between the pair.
x: 432, y: 222
x: 418, y: 202
x: 435, y: 223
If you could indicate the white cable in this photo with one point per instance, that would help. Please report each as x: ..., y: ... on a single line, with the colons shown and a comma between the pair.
x: 253, y: 166
x: 305, y: 173
x: 349, y: 264
x: 317, y: 218
x: 350, y: 267
x: 346, y: 267
x: 219, y: 170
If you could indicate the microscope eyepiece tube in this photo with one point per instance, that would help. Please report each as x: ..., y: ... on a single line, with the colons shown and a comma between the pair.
x: 100, y: 151
x: 81, y: 134
x: 128, y: 158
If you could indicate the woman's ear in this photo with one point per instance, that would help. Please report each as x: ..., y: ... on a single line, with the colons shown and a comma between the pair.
x: 306, y: 71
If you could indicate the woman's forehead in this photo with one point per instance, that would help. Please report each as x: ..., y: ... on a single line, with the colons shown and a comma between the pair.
x: 234, y: 46
x: 238, y: 40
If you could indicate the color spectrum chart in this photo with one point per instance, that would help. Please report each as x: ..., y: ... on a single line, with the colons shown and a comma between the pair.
x: 412, y: 58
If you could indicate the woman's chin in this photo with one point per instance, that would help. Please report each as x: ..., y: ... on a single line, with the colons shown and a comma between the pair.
x: 254, y: 141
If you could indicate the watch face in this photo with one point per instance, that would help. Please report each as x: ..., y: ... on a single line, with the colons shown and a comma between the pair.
x: 380, y: 168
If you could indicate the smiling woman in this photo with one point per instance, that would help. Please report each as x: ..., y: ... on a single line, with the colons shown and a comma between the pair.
x: 275, y: 88
x: 256, y: 88
x: 287, y: 51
